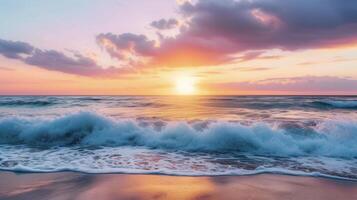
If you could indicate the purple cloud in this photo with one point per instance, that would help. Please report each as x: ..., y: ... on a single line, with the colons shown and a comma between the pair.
x: 266, y: 24
x: 120, y: 46
x: 14, y: 50
x: 78, y: 64
x: 165, y: 24
x: 55, y: 60
x: 217, y: 30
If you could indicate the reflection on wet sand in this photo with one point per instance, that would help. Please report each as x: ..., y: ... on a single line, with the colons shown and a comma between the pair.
x: 63, y: 186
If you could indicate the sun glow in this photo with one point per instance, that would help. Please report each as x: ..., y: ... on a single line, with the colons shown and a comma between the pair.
x: 185, y: 85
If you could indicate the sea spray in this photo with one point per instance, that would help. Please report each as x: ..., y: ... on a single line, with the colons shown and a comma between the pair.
x: 328, y: 138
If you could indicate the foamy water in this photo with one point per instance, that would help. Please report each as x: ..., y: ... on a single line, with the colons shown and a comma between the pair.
x: 230, y: 135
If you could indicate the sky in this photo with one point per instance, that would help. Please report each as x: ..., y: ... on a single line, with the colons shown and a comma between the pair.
x: 172, y: 47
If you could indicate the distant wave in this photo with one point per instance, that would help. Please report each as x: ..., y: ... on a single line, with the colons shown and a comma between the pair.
x: 330, y: 138
x: 90, y: 99
x: 254, y: 103
x: 286, y: 103
x: 338, y: 104
x: 26, y: 102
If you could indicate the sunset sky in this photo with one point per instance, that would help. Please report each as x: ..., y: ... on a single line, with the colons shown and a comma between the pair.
x: 164, y: 47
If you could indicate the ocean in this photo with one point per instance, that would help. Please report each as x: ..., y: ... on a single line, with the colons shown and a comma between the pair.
x: 180, y: 135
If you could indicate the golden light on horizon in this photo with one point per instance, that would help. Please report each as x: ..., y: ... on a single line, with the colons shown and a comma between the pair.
x: 185, y: 85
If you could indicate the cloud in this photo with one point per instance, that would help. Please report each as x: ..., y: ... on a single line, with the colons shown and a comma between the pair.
x: 78, y: 64
x: 55, y: 60
x: 165, y: 24
x: 296, y: 84
x: 335, y: 60
x: 14, y: 49
x: 5, y: 69
x: 127, y: 47
x: 266, y: 24
x: 215, y: 31
x: 255, y: 55
x: 251, y: 69
x: 171, y: 52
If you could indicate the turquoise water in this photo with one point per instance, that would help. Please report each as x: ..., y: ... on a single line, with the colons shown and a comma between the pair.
x: 188, y: 135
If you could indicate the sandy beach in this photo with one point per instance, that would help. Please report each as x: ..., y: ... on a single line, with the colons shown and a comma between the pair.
x: 63, y: 186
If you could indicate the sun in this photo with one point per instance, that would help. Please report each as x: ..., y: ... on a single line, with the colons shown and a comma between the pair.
x: 185, y: 85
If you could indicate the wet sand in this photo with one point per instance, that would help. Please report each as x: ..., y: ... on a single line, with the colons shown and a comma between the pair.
x: 73, y: 186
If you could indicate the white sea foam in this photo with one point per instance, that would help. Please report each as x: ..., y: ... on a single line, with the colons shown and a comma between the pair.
x: 148, y: 161
x: 91, y: 143
x: 329, y: 138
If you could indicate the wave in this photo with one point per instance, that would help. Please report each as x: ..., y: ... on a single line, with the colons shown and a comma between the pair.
x: 338, y: 104
x: 89, y: 98
x: 26, y: 103
x: 264, y: 103
x: 330, y: 138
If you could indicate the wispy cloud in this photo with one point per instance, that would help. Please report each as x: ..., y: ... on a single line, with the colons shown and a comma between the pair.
x: 6, y: 69
x: 255, y: 55
x: 165, y: 24
x: 252, y: 69
x: 335, y: 60
x: 56, y: 61
x: 295, y: 84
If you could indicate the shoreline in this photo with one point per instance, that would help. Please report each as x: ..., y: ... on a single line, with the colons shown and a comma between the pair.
x: 75, y: 185
x: 273, y: 173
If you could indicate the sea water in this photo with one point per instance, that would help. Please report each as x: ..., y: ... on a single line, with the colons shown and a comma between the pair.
x: 180, y: 135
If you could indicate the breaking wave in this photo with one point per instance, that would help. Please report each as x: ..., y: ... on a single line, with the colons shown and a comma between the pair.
x: 338, y: 104
x: 329, y: 138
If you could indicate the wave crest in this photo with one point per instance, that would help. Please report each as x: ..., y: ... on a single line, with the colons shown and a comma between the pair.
x: 330, y: 138
x: 338, y: 104
x: 38, y: 103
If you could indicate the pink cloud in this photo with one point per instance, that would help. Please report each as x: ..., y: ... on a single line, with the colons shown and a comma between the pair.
x: 295, y: 84
x: 217, y: 30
